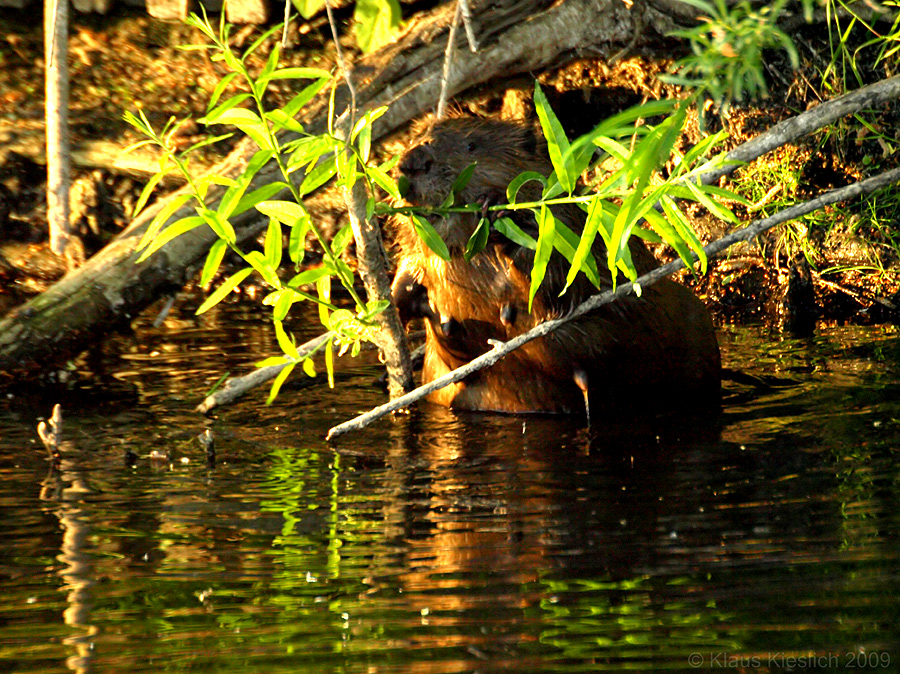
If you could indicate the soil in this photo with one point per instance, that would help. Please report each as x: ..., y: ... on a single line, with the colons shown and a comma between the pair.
x: 841, y: 265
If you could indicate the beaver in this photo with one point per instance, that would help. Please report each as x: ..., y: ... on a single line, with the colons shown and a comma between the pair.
x: 657, y: 348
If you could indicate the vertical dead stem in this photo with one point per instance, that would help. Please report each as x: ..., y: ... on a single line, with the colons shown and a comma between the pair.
x: 373, y: 270
x: 56, y: 32
x: 371, y: 257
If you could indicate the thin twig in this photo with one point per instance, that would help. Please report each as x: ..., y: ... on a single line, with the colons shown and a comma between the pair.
x: 448, y: 60
x: 467, y: 23
x: 235, y: 387
x: 811, y: 120
x: 287, y: 20
x: 856, y: 295
x: 345, y: 74
x: 499, y: 350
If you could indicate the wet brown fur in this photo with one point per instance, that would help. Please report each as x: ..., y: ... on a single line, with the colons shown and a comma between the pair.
x: 660, y: 346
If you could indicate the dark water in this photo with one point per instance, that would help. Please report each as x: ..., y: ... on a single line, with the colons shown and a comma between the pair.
x: 766, y: 540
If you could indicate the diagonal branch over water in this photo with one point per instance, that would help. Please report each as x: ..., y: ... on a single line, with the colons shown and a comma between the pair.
x: 500, y: 349
x: 782, y: 133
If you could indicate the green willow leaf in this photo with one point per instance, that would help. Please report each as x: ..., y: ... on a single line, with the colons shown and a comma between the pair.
x: 160, y: 218
x: 309, y: 8
x: 591, y: 227
x: 478, y: 240
x: 545, y: 242
x: 272, y: 360
x: 341, y: 240
x: 301, y: 74
x: 206, y: 141
x: 217, y: 92
x: 280, y: 121
x: 219, y: 225
x: 673, y: 237
x: 376, y: 22
x: 384, y: 181
x: 557, y: 142
x: 279, y: 381
x: 272, y: 243
x: 286, y: 212
x: 259, y: 41
x: 308, y: 276
x: 173, y: 231
x: 717, y: 209
x: 512, y: 191
x: 620, y: 125
x: 213, y: 261
x: 262, y: 80
x: 566, y: 242
x: 213, y: 115
x: 365, y: 144
x: 508, y: 228
x: 321, y: 174
x: 248, y: 122
x: 259, y: 195
x: 462, y: 180
x: 259, y: 263
x: 309, y: 367
x: 429, y: 235
x: 222, y: 291
x: 147, y: 191
x: 297, y: 240
x: 329, y: 362
x: 305, y: 96
x: 285, y: 342
x: 286, y: 299
x: 232, y: 197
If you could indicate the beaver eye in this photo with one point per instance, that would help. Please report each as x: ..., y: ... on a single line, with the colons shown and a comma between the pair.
x: 470, y: 146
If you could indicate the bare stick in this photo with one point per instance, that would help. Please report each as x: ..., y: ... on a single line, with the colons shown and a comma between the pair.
x: 448, y: 60
x: 467, y: 23
x: 51, y: 433
x: 287, y: 21
x: 500, y: 349
x: 56, y: 53
x: 235, y: 387
x: 814, y: 119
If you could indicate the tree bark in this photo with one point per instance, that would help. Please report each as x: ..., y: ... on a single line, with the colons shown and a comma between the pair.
x: 515, y: 37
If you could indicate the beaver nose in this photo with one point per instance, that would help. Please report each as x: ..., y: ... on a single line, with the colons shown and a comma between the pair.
x: 418, y: 160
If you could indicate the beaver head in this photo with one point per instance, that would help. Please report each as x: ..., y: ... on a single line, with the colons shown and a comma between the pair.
x: 500, y: 151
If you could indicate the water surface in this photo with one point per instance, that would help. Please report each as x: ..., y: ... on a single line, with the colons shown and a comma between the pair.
x: 764, y: 540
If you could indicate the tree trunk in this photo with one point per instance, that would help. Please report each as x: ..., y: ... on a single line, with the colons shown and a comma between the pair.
x: 515, y: 37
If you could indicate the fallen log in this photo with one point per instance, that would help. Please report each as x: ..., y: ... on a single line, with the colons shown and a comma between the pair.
x: 515, y: 37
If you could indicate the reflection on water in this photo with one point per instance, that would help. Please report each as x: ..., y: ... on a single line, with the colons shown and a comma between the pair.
x: 760, y: 541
